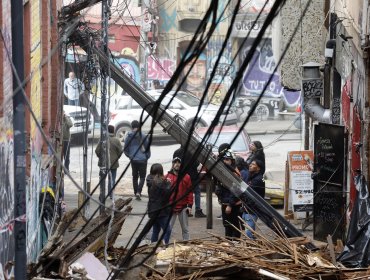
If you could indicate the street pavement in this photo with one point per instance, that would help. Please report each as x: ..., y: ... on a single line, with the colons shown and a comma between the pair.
x: 198, y: 226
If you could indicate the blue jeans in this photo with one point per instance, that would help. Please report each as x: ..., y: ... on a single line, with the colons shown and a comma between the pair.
x: 164, y: 224
x: 197, y: 197
x: 251, y: 220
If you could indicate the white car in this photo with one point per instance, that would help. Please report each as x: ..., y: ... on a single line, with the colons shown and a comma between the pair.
x: 184, y: 106
x: 78, y: 116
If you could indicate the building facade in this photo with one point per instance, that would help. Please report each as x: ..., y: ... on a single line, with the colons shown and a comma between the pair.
x: 42, y: 88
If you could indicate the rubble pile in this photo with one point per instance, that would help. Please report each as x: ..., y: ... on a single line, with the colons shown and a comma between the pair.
x: 282, y: 258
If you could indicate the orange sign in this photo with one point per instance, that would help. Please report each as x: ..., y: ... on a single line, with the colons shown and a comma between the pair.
x: 300, y: 183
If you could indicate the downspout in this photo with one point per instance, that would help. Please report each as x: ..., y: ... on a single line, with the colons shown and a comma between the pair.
x: 312, y: 106
x: 365, y: 15
x: 316, y: 111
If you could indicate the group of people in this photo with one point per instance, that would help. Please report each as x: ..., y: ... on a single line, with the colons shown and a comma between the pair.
x: 251, y: 171
x: 172, y: 196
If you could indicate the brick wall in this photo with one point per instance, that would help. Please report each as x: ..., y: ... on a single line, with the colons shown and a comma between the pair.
x: 6, y: 137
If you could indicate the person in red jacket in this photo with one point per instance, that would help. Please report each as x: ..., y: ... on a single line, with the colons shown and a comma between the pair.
x: 182, y: 196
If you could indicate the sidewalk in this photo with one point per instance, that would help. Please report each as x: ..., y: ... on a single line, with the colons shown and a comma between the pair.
x: 197, y: 226
x: 257, y: 127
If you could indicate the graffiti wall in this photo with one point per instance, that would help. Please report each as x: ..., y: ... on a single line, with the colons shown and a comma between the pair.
x: 223, y: 73
x: 130, y: 66
x: 160, y: 69
x: 205, y: 66
x: 35, y: 182
x: 6, y: 192
x: 258, y: 73
x: 167, y: 16
x: 6, y: 149
x: 195, y: 74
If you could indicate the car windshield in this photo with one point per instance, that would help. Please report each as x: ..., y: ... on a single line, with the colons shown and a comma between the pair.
x: 216, y: 140
x: 187, y: 98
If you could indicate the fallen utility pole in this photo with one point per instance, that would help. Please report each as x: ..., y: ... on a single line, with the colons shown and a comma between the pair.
x: 239, y: 188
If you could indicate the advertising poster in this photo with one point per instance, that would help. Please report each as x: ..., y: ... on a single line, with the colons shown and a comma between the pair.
x: 301, y: 184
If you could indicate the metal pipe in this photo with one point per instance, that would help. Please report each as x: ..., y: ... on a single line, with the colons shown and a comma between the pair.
x: 316, y: 111
x: 20, y: 232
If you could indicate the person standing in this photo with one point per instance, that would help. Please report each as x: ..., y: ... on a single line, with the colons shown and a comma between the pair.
x: 257, y: 183
x: 115, y: 151
x: 182, y: 197
x: 159, y: 190
x: 73, y: 87
x: 67, y: 124
x: 137, y: 149
x: 241, y: 165
x: 230, y: 204
x: 257, y: 152
x: 192, y: 169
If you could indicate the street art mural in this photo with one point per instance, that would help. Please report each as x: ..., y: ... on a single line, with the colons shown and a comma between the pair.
x: 167, y: 18
x: 35, y: 180
x: 130, y: 66
x: 224, y: 71
x: 259, y: 71
x: 6, y: 150
x: 39, y: 178
x: 195, y: 81
x: 160, y: 69
x: 6, y: 195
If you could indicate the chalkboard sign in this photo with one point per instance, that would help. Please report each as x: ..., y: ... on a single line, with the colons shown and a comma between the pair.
x: 329, y: 198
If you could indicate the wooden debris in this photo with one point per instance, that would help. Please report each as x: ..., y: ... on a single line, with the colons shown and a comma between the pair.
x: 282, y: 258
x: 331, y: 249
x: 56, y: 258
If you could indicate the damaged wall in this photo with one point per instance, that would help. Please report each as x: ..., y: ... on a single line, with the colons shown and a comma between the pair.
x: 309, y: 42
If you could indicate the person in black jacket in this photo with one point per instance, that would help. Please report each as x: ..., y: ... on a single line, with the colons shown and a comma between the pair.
x: 159, y: 190
x: 230, y: 204
x: 257, y: 183
x: 256, y: 153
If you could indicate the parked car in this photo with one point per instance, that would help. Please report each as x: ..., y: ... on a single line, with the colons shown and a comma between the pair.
x: 78, y: 116
x: 225, y: 134
x: 274, y: 193
x: 183, y: 106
